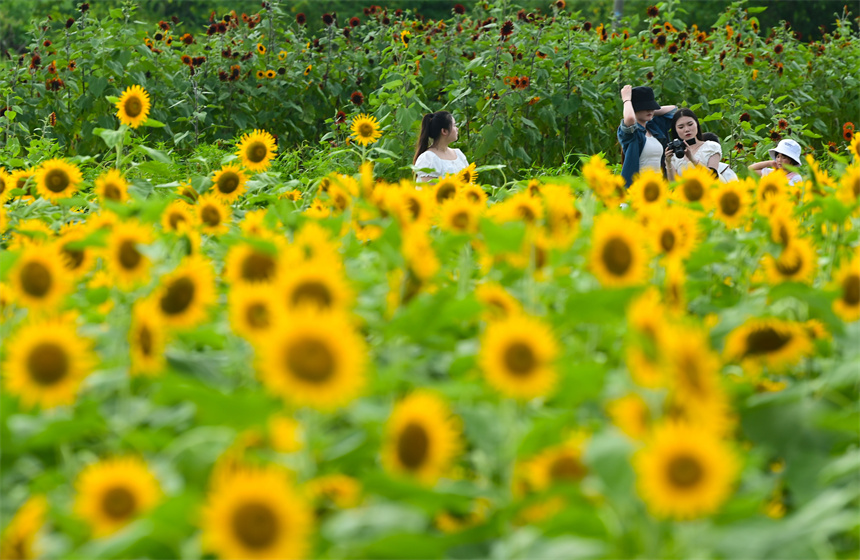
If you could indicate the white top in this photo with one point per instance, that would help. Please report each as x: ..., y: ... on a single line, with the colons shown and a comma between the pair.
x: 701, y: 157
x: 793, y: 178
x: 651, y: 155
x: 440, y: 166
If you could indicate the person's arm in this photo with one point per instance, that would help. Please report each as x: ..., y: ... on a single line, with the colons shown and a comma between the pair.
x: 759, y: 165
x: 664, y: 109
x: 627, y: 103
x: 714, y: 162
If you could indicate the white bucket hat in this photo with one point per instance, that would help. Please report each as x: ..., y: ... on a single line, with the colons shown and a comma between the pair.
x: 787, y: 147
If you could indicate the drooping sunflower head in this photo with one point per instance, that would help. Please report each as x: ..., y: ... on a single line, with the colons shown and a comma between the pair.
x: 228, y: 183
x: 133, y: 106
x: 213, y: 215
x: 731, y: 204
x: 256, y: 513
x: 517, y: 357
x: 419, y: 254
x: 365, y: 129
x: 57, y: 178
x: 113, y: 492
x: 618, y: 257
x: 692, y: 366
x: 38, y: 278
x: 631, y: 415
x: 422, y: 438
x: 77, y: 257
x: 46, y: 363
x: 313, y: 358
x: 608, y: 187
x: 184, y: 296
x: 468, y: 175
x: 774, y: 343
x: 112, y: 186
x: 694, y: 186
x: 256, y: 150
x: 684, y: 472
x: 648, y: 189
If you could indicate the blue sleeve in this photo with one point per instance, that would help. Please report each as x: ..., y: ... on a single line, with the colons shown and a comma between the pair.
x: 664, y: 122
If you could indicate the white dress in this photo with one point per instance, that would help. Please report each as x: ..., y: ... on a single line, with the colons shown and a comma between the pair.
x: 440, y: 166
x: 651, y: 155
x: 793, y: 178
x: 701, y: 157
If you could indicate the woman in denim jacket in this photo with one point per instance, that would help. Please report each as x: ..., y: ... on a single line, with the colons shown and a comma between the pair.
x: 644, y: 131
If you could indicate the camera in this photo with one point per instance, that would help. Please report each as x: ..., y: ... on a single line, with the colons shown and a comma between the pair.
x: 679, y: 147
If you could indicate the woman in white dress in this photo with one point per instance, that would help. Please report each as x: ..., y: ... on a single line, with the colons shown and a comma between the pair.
x: 700, y: 150
x: 438, y: 131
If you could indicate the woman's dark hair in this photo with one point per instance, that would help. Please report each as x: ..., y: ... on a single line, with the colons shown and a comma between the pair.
x: 431, y: 127
x: 684, y: 112
x: 710, y: 136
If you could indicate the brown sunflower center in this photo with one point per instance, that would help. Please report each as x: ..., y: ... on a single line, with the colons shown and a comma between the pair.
x: 258, y: 267
x: 765, y: 341
x: 365, y: 130
x: 57, y: 180
x: 769, y: 190
x: 414, y: 208
x: 133, y: 107
x: 118, y: 503
x: 460, y: 220
x: 473, y: 196
x: 413, y: 446
x: 228, y: 182
x: 74, y: 257
x: 112, y: 192
x: 520, y: 359
x: 176, y: 218
x: 310, y: 360
x: 851, y: 289
x: 313, y: 292
x: 789, y: 265
x: 566, y: 467
x: 526, y: 213
x: 255, y: 525
x: 48, y: 363
x: 257, y: 315
x: 855, y: 187
x: 129, y: 256
x: 684, y: 471
x: 651, y: 192
x: 178, y: 296
x: 36, y: 279
x: 617, y: 256
x: 730, y: 203
x: 211, y: 216
x: 256, y: 152
x: 667, y: 240
x: 445, y: 191
x: 693, y: 190
x: 144, y: 338
x: 691, y: 374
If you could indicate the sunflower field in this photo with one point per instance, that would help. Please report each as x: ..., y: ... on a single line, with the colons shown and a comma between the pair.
x: 234, y: 327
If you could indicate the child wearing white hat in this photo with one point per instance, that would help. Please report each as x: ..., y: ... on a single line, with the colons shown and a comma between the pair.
x: 787, y: 152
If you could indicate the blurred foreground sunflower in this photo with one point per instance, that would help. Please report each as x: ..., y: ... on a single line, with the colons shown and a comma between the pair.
x: 57, y: 178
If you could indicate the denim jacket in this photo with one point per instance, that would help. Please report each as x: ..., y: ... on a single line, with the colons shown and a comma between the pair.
x: 632, y: 139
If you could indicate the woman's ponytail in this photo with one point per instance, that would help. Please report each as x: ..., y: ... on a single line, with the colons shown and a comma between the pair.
x: 431, y: 126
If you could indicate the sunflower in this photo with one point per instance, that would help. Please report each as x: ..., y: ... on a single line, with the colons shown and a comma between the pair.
x: 253, y: 310
x: 261, y: 48
x: 847, y: 305
x: 76, y: 258
x: 519, y: 207
x: 316, y: 285
x: 285, y: 434
x: 499, y: 304
x: 112, y: 186
x: 773, y: 343
x: 468, y: 175
x: 314, y: 243
x: 31, y: 231
x: 256, y: 263
x: 411, y: 206
x: 692, y: 367
x: 57, y: 178
x: 422, y: 438
x: 185, y: 189
x: 684, y: 472
x: 213, y: 215
x: 849, y: 190
x: 517, y: 355
x: 447, y: 187
x: 631, y: 415
x: 128, y: 265
x: 339, y: 490
x: 796, y: 263
x: 854, y: 148
x: 731, y: 204
x: 672, y: 233
x: 783, y: 226
x: 458, y: 215
x: 133, y: 106
x: 46, y: 362
x: 608, y: 187
x: 19, y: 179
x: 184, y: 296
x: 313, y: 359
x: 178, y: 216
x: 649, y: 189
x: 229, y: 183
x: 694, y: 185
x: 561, y: 464
x: 255, y: 513
x: 418, y: 252
x: 617, y: 255
x: 365, y: 129
x: 475, y: 194
x: 147, y: 340
x: 39, y: 279
x: 18, y: 540
x: 772, y: 185
x: 256, y: 150
x: 112, y: 492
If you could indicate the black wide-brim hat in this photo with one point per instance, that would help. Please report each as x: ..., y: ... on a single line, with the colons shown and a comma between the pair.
x: 643, y: 99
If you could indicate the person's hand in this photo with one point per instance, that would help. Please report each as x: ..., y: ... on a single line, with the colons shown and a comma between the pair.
x: 626, y: 93
x: 669, y: 152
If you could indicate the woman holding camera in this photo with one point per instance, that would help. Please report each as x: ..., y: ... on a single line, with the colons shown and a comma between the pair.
x: 691, y: 147
x: 643, y: 132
